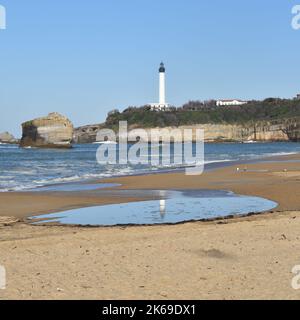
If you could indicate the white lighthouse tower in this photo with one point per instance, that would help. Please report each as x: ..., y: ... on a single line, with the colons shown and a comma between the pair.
x: 162, y: 85
x: 162, y: 105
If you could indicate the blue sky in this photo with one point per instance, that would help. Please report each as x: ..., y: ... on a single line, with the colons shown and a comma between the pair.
x: 84, y: 58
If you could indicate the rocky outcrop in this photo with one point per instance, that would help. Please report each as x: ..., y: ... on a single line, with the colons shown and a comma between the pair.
x: 279, y: 130
x: 6, y: 137
x: 52, y: 131
x: 87, y: 134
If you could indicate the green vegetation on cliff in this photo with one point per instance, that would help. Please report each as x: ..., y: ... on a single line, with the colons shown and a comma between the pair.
x: 196, y: 112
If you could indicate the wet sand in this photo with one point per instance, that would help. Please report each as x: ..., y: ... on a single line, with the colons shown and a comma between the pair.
x: 241, y: 258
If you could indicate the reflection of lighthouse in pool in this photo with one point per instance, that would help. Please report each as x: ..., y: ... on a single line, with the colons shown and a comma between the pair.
x: 162, y: 208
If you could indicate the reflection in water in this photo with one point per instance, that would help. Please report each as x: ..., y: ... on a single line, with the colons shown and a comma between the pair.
x: 162, y: 208
x: 170, y: 207
x: 163, y: 194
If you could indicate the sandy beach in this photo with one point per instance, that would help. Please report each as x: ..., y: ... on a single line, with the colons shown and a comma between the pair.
x: 109, y: 113
x: 240, y: 258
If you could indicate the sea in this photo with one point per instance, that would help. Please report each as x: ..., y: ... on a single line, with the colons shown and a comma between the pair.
x: 28, y: 169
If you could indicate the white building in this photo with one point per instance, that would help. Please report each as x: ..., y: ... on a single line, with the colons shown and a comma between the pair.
x: 231, y: 102
x: 161, y: 105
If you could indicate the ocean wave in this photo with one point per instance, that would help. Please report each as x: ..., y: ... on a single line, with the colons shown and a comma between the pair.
x: 20, y: 170
x: 10, y: 183
x: 282, y: 153
x: 264, y: 155
x: 217, y: 161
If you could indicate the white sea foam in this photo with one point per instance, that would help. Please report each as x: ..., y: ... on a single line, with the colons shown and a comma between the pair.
x: 217, y: 161
x: 105, y: 142
x: 281, y: 153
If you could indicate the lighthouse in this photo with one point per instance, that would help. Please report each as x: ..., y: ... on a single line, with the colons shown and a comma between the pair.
x: 162, y: 84
x: 161, y: 105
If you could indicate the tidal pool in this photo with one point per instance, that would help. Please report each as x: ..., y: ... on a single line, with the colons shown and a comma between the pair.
x: 171, y: 207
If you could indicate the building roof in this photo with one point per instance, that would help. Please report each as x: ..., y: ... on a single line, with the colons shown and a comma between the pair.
x: 230, y: 100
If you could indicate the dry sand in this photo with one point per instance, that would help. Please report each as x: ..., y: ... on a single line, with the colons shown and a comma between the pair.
x: 242, y: 258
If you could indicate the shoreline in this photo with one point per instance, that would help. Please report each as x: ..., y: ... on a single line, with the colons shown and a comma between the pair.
x: 33, y: 183
x: 240, y: 258
x: 22, y: 205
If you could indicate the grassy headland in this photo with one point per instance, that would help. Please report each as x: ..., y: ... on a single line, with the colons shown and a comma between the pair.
x: 197, y: 112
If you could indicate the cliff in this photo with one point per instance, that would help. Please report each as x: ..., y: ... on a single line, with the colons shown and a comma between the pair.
x: 52, y: 131
x: 279, y: 130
